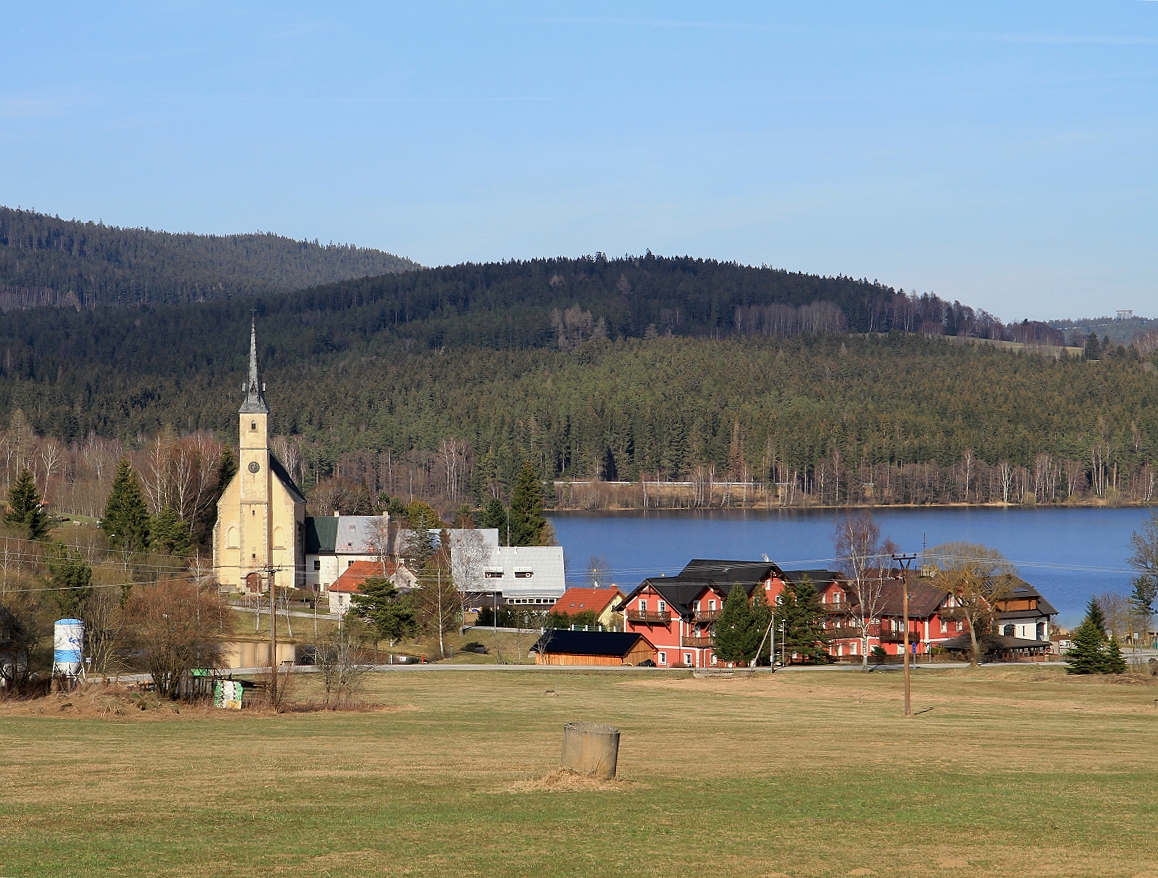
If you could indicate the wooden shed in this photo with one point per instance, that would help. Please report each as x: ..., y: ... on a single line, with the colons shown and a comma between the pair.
x: 592, y: 648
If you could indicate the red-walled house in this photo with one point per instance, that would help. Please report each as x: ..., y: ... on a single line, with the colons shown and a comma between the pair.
x: 931, y: 617
x: 676, y: 613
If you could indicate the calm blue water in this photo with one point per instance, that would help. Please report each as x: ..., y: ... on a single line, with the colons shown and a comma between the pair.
x: 1069, y: 554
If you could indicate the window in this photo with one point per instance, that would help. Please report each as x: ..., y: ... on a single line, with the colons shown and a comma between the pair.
x: 663, y: 658
x: 696, y: 606
x: 493, y: 574
x: 836, y: 598
x: 944, y: 627
x: 711, y: 605
x: 350, y: 563
x: 643, y: 606
x: 524, y: 574
x: 253, y: 425
x: 317, y: 564
x: 662, y: 607
x: 687, y: 658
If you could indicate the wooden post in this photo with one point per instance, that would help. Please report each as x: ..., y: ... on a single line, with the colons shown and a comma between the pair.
x: 905, y: 561
x: 272, y: 638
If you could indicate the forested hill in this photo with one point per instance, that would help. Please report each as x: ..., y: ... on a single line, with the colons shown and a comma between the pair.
x: 438, y: 379
x: 45, y: 260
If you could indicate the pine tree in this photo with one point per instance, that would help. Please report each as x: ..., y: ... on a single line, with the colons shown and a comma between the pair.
x: 732, y: 632
x: 126, y: 519
x: 1090, y: 653
x: 528, y: 526
x: 1142, y: 604
x: 1093, y: 348
x: 24, y: 508
x: 168, y: 534
x: 70, y: 579
x: 495, y: 515
x: 1113, y: 661
x: 1085, y: 653
x: 803, y: 614
x: 1096, y: 616
x: 380, y: 604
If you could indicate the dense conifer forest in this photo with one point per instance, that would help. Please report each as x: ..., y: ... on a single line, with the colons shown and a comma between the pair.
x: 745, y: 384
x: 45, y: 260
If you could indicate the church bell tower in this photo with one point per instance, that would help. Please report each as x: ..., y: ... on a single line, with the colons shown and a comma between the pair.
x: 254, y: 474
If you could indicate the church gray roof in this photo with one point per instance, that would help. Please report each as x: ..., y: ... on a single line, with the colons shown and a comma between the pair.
x: 254, y: 402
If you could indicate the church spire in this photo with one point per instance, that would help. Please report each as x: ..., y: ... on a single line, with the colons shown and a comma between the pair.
x: 254, y: 402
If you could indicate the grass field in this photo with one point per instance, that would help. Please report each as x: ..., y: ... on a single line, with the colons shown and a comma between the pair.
x: 1011, y: 772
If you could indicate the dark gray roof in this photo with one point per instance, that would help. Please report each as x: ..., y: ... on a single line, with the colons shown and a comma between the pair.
x: 990, y: 643
x: 254, y: 402
x: 1022, y: 589
x: 284, y: 477
x: 743, y: 572
x: 605, y: 643
x: 817, y: 577
x: 678, y: 591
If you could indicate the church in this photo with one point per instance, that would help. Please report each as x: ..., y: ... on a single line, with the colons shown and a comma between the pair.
x: 261, y: 516
x: 262, y: 532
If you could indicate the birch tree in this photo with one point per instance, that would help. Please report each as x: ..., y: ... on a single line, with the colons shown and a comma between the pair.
x: 863, y: 558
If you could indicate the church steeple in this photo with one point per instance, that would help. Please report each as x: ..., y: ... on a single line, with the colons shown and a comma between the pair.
x: 254, y: 402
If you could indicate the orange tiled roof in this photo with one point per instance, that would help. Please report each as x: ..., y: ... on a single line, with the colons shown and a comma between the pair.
x: 358, y: 572
x: 579, y: 600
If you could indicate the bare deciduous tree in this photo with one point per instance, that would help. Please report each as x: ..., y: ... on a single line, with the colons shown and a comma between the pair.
x: 339, y: 662
x: 865, y: 560
x: 978, y: 579
x: 178, y: 627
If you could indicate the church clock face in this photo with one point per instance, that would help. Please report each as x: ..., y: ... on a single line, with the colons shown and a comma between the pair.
x: 254, y: 466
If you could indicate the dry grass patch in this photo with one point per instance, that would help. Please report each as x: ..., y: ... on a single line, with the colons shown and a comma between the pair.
x: 801, y: 774
x: 566, y: 781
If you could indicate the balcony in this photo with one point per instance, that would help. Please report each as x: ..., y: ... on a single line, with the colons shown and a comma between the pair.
x: 841, y: 632
x: 837, y: 609
x: 696, y: 642
x: 647, y: 617
x: 707, y: 615
x: 899, y: 636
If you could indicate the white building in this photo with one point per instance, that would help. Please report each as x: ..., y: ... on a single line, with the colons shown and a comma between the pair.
x: 533, y: 576
x: 334, y: 542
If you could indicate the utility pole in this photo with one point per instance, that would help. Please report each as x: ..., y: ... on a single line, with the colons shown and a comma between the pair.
x: 905, y: 561
x: 270, y: 571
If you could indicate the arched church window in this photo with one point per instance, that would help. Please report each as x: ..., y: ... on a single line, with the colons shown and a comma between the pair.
x: 253, y: 425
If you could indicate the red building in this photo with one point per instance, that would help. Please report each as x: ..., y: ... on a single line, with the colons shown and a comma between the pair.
x: 676, y: 613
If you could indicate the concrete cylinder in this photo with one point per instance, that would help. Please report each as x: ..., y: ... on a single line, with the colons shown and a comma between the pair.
x: 591, y: 749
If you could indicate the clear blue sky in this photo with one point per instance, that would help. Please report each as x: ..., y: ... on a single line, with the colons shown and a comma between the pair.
x: 999, y: 153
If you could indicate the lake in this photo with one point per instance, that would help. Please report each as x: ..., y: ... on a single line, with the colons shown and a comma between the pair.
x: 1069, y: 554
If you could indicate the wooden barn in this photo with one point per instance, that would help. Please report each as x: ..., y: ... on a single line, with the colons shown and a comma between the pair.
x: 559, y: 647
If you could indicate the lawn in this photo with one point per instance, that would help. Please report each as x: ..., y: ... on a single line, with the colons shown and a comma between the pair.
x: 1007, y: 772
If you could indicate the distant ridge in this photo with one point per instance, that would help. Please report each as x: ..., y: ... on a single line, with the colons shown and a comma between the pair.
x: 47, y: 261
x: 1126, y: 328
